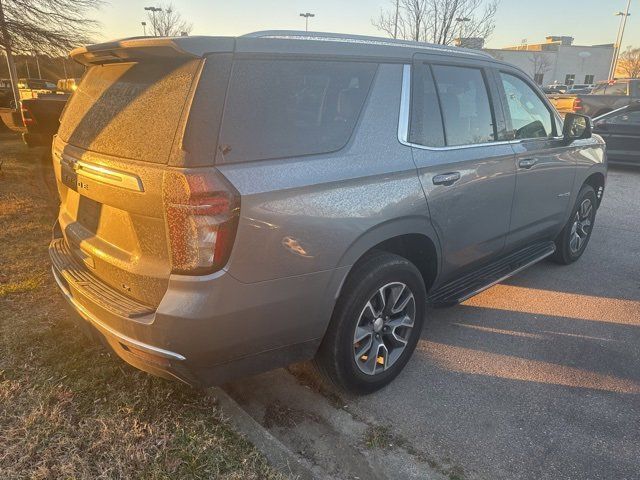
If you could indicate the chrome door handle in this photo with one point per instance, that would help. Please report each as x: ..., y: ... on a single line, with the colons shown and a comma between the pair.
x: 446, y: 178
x: 527, y: 162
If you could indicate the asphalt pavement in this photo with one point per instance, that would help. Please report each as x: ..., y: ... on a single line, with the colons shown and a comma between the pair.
x: 539, y: 377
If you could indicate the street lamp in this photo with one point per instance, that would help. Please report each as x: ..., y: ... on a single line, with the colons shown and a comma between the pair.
x: 35, y: 54
x: 307, y: 16
x: 153, y: 11
x: 461, y: 21
x: 144, y: 28
x: 618, y: 45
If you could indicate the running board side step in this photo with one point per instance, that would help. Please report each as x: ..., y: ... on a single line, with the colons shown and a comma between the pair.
x: 471, y: 284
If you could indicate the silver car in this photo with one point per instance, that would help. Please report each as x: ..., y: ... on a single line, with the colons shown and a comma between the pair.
x: 232, y: 205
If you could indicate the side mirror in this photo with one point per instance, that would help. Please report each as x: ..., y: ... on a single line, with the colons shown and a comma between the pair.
x: 576, y: 127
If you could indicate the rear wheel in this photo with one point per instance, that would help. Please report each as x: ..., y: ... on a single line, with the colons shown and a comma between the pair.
x: 376, y: 324
x: 573, y: 240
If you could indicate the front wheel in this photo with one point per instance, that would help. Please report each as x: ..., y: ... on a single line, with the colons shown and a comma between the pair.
x: 573, y: 240
x: 376, y: 324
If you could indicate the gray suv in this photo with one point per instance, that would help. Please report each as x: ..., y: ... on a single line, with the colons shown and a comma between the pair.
x: 232, y: 205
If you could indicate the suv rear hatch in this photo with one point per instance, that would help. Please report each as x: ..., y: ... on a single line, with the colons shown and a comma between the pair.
x: 119, y: 140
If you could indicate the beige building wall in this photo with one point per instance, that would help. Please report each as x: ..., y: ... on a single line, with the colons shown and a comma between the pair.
x: 580, y: 61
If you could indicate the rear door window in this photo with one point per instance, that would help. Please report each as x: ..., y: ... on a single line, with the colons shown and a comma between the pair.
x: 287, y: 108
x: 426, y: 120
x: 129, y: 110
x: 465, y: 104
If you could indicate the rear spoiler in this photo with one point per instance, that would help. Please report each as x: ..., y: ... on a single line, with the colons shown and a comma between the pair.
x: 141, y: 48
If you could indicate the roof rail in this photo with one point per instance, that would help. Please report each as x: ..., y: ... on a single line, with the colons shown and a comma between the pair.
x: 368, y: 40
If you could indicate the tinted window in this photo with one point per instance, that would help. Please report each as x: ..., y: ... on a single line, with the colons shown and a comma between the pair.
x: 625, y: 118
x: 426, y: 120
x: 530, y: 117
x: 288, y: 108
x: 465, y: 105
x: 205, y: 115
x: 599, y: 90
x: 617, y: 89
x: 129, y: 110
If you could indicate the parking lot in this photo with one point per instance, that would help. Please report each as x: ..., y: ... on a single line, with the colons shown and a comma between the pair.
x: 539, y: 377
x: 536, y: 378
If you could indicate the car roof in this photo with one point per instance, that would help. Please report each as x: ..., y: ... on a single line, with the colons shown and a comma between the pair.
x: 269, y: 42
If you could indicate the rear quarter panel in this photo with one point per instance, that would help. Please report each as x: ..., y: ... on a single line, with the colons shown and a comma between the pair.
x: 310, y: 214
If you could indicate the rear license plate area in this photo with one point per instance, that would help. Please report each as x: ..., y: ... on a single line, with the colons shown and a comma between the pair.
x: 69, y: 177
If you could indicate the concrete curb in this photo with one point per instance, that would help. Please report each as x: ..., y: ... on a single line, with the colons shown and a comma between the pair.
x: 278, y: 455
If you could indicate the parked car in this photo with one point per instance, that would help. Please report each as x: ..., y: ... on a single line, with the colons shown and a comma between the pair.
x: 604, y: 98
x: 6, y: 93
x: 304, y: 196
x: 67, y: 85
x: 33, y: 87
x: 621, y: 131
x: 41, y: 113
x: 41, y: 118
x: 579, y: 88
x: 555, y: 89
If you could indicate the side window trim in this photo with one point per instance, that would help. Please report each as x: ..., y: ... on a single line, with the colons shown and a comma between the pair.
x: 555, y: 120
x: 405, y: 108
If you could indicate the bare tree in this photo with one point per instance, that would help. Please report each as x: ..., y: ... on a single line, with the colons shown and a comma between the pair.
x: 438, y: 21
x: 540, y: 63
x: 406, y: 20
x: 168, y: 22
x: 45, y: 26
x: 629, y: 63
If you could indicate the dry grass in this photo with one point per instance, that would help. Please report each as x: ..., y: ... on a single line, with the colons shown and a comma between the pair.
x: 67, y: 408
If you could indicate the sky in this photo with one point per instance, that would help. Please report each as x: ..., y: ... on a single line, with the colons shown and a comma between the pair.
x: 588, y: 21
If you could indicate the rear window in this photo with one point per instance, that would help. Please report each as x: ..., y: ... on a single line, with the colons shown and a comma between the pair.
x: 129, y: 110
x: 287, y: 108
x: 618, y: 88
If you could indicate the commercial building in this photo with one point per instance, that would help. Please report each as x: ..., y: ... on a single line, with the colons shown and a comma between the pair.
x: 557, y: 60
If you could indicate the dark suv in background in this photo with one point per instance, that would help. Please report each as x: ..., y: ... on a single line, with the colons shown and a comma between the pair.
x: 231, y: 205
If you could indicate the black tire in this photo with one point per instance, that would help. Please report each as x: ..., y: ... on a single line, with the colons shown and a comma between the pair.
x: 336, y: 358
x: 566, y: 253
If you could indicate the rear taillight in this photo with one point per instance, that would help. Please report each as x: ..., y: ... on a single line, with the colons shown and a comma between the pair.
x: 202, y: 211
x: 577, y: 104
x: 27, y: 118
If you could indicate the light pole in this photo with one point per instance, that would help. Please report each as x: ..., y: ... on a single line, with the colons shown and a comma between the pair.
x: 618, y: 45
x: 35, y: 54
x: 153, y: 11
x: 461, y: 21
x: 307, y: 16
x: 395, y: 25
x: 144, y: 28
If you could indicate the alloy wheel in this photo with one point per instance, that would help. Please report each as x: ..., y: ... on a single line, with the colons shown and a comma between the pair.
x: 384, y: 327
x: 581, y: 227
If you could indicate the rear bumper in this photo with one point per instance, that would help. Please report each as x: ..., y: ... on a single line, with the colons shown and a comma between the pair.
x: 206, y: 330
x: 158, y: 361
